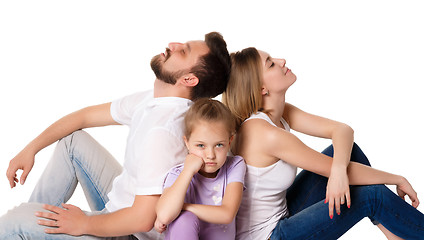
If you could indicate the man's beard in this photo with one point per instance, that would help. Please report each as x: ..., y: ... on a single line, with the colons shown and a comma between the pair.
x: 163, y: 75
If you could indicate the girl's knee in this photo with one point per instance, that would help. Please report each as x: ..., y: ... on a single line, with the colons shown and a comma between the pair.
x: 186, y: 226
x: 185, y: 220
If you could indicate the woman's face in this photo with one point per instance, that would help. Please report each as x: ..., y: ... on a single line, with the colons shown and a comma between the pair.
x: 277, y: 78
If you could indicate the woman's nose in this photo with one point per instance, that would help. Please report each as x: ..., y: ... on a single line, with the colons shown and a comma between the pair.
x: 281, y: 62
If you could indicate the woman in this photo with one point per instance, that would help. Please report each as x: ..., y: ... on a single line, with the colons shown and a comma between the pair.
x: 256, y: 96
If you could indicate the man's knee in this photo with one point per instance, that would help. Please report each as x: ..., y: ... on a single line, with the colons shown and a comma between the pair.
x: 21, y: 223
x: 74, y: 137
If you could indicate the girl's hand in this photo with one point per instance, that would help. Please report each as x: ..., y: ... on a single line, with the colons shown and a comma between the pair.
x: 405, y: 188
x: 159, y: 227
x: 193, y: 163
x: 338, y: 192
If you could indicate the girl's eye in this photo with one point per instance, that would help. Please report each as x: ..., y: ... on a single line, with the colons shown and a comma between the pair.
x: 219, y: 145
x: 200, y: 145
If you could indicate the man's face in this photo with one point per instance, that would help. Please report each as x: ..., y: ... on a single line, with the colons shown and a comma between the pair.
x: 177, y: 60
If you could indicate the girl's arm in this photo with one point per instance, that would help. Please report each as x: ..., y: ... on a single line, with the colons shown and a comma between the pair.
x: 342, y: 138
x: 284, y: 145
x: 171, y: 202
x: 223, y: 214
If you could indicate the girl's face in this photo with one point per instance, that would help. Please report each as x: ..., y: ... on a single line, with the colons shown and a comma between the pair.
x: 276, y: 76
x: 211, y: 142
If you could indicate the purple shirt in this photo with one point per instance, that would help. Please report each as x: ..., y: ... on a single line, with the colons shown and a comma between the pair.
x: 210, y: 191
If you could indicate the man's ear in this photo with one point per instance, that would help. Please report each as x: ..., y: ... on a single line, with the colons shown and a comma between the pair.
x: 189, y: 80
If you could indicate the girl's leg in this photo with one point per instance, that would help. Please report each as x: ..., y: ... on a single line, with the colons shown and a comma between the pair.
x: 77, y: 158
x: 375, y: 201
x: 186, y: 226
x: 309, y: 188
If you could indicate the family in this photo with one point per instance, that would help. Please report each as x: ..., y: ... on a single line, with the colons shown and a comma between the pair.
x: 196, y: 168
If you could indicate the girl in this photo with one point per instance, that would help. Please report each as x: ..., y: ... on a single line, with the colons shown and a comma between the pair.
x: 256, y: 96
x: 202, y: 196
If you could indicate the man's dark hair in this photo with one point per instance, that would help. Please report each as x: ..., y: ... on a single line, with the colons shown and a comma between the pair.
x: 213, y: 69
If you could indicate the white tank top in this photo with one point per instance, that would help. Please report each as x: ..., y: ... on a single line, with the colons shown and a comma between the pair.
x: 264, y: 200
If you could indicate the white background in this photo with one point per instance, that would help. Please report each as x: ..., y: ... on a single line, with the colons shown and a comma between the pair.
x: 359, y: 62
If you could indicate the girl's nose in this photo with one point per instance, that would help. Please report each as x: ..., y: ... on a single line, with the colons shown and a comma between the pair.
x: 210, y: 154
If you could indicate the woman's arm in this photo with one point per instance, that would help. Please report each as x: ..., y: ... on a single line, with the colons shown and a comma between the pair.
x: 342, y: 138
x: 284, y: 145
x: 93, y: 116
x: 171, y: 202
x: 223, y: 214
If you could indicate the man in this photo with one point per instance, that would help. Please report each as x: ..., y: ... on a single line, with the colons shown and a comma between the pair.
x: 122, y: 199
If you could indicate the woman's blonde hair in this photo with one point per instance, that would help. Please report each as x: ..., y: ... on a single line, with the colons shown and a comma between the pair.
x: 243, y: 94
x: 209, y: 110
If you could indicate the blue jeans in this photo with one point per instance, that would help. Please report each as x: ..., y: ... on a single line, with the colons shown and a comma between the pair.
x: 309, y: 215
x: 77, y: 158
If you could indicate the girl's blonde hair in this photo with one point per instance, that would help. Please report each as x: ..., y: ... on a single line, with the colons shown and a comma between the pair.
x: 209, y: 110
x: 243, y: 94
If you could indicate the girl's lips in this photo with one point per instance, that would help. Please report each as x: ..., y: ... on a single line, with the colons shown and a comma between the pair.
x: 210, y: 163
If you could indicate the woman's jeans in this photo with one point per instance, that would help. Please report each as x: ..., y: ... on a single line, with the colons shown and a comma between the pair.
x: 309, y: 217
x: 77, y: 158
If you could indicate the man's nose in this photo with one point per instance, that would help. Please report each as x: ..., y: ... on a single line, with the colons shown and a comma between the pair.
x: 173, y: 46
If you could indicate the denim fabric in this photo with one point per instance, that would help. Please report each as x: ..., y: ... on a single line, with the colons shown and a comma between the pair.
x: 77, y: 158
x: 309, y: 188
x: 374, y: 201
x: 309, y: 215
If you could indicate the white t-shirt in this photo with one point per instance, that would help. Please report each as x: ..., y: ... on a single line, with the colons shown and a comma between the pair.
x: 154, y: 145
x: 264, y: 200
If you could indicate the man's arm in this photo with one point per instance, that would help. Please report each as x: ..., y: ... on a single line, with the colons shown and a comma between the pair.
x: 140, y: 217
x: 93, y: 116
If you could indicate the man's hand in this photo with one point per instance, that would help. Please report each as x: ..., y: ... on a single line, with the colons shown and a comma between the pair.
x: 24, y: 161
x: 69, y: 219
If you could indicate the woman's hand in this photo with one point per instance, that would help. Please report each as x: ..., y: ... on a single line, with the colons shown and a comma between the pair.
x: 24, y: 161
x: 69, y: 219
x: 405, y: 188
x: 159, y: 227
x: 338, y: 192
